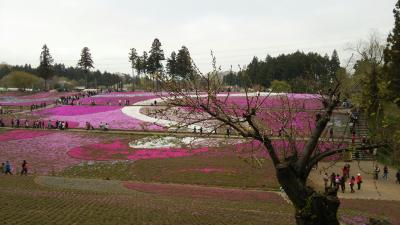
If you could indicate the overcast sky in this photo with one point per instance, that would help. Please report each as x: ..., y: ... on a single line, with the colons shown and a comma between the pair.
x: 235, y: 30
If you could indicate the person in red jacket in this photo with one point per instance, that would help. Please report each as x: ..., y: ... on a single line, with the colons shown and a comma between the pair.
x: 359, y: 181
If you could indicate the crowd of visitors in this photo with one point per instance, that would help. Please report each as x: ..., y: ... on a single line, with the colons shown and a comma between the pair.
x: 338, y: 181
x: 40, y: 124
x: 38, y: 106
x: 6, y: 168
x: 385, y: 175
x: 74, y: 99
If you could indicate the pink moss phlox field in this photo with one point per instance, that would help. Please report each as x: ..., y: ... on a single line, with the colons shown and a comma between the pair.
x: 113, y: 116
x: 21, y: 134
x: 75, y: 110
x: 283, y: 146
x: 44, y: 153
x: 114, y: 98
x: 204, y: 192
x: 121, y: 151
x: 304, y: 101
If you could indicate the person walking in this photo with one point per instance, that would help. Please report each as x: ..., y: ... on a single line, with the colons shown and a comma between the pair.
x: 352, y: 181
x: 385, y: 173
x: 376, y: 172
x: 343, y: 183
x: 398, y: 176
x: 8, y: 168
x: 326, y: 179
x: 344, y: 171
x: 337, y: 181
x: 359, y: 181
x: 24, y: 166
x: 333, y: 178
x: 3, y: 168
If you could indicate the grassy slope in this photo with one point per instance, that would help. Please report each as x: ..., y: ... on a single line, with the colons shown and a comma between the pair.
x: 234, y: 171
x: 24, y: 202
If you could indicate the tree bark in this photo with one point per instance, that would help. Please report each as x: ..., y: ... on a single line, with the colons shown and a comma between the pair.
x: 312, y: 208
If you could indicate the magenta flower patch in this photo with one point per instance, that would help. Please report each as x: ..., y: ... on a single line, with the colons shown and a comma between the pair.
x: 75, y: 110
x: 106, y: 114
x: 115, y: 98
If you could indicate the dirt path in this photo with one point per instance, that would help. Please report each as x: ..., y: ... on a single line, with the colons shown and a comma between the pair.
x: 370, y: 189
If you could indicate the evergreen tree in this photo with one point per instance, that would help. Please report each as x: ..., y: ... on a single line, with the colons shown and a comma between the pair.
x: 133, y: 58
x: 86, y: 63
x: 392, y: 58
x: 333, y: 66
x: 45, y: 67
x: 171, y: 65
x: 156, y: 56
x: 144, y: 64
x: 334, y: 62
x: 184, y: 66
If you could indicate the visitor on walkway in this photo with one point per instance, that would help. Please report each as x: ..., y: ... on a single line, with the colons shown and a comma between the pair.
x: 385, y: 173
x: 201, y: 130
x: 8, y: 168
x: 228, y: 131
x: 337, y: 181
x: 345, y: 172
x: 2, y: 168
x: 352, y: 181
x: 24, y: 166
x: 359, y: 181
x: 333, y: 178
x: 398, y: 176
x: 348, y: 170
x: 376, y: 172
x: 331, y: 133
x: 343, y: 183
x: 326, y: 179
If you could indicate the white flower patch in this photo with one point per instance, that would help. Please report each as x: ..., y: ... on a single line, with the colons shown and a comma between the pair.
x: 179, y: 142
x: 167, y: 142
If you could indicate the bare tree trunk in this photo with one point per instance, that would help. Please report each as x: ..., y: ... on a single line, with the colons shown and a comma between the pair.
x: 86, y: 80
x: 133, y: 79
x: 312, y: 208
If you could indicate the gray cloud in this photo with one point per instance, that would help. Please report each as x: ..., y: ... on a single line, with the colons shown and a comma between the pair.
x: 235, y: 30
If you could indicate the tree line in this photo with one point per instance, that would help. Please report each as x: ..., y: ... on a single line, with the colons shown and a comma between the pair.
x: 298, y: 69
x: 78, y: 75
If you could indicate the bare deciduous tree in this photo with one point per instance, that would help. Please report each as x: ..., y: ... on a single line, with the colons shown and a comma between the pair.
x: 203, y: 103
